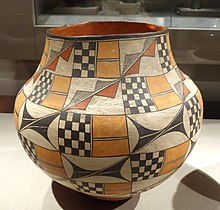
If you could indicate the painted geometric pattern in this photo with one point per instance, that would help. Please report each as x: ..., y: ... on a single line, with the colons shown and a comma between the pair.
x: 50, y: 161
x: 103, y: 188
x: 74, y: 134
x: 49, y: 88
x: 193, y: 108
x: 109, y: 132
x: 42, y: 88
x: 136, y: 96
x: 145, y: 166
x: 163, y: 52
x: 162, y: 93
x: 108, y: 60
x: 29, y: 148
x: 94, y: 188
x: 106, y: 137
x: 126, y: 142
x: 84, y: 59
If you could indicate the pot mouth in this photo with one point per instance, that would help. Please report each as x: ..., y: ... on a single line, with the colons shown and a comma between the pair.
x: 106, y: 30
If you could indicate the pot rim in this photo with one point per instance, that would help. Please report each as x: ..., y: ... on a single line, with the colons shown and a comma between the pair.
x: 108, y: 36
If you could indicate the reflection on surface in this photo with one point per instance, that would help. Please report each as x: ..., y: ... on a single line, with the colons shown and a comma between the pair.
x: 209, y: 55
x: 70, y: 199
x: 199, y: 190
x: 202, y: 12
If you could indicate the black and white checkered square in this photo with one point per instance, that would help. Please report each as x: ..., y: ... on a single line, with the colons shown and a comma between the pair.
x: 42, y: 87
x: 95, y: 188
x: 146, y: 166
x: 74, y: 134
x: 29, y: 148
x: 136, y: 96
x: 164, y: 54
x: 193, y: 109
x: 84, y: 59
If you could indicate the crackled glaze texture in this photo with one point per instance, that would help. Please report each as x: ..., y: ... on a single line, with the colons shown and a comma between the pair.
x: 109, y: 116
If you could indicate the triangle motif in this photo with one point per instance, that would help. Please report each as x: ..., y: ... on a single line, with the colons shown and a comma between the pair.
x: 52, y: 66
x: 66, y: 54
x: 182, y: 76
x: 101, y: 84
x: 185, y: 90
x: 82, y: 105
x: 67, y: 44
x: 109, y: 91
x: 81, y: 96
x: 150, y: 52
x: 51, y: 56
x: 179, y: 88
x: 134, y: 69
x: 36, y: 76
x: 129, y: 60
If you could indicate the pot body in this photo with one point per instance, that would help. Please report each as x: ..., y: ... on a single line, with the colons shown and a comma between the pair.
x: 109, y: 117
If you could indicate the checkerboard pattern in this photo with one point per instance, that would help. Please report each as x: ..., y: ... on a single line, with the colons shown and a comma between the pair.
x: 136, y: 96
x: 164, y: 54
x: 29, y: 148
x: 74, y: 134
x: 84, y: 59
x: 146, y: 166
x: 95, y: 188
x: 193, y: 109
x: 42, y: 88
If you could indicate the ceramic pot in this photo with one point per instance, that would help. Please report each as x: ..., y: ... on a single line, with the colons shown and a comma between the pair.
x: 108, y: 113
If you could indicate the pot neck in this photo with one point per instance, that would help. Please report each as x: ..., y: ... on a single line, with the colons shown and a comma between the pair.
x: 108, y: 57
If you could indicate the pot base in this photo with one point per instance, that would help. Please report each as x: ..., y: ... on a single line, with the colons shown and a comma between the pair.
x: 112, y: 199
